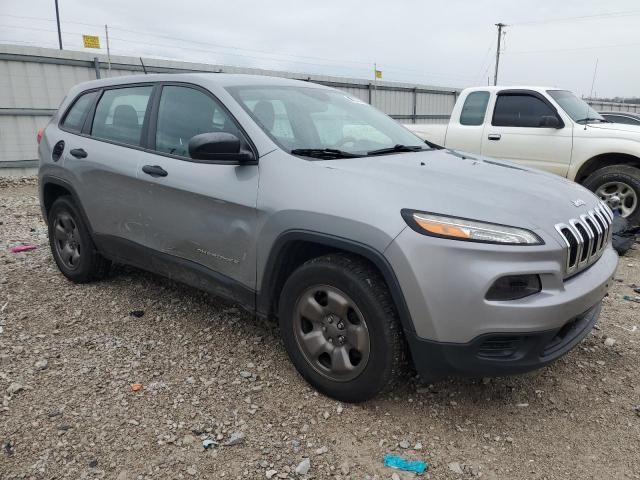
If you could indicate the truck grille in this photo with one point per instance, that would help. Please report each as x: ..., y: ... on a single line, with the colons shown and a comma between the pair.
x: 586, y: 237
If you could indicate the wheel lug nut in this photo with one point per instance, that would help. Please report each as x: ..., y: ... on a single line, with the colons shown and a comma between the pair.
x: 341, y: 325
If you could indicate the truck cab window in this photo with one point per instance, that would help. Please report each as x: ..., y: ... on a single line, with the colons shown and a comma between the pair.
x: 474, y: 108
x: 520, y: 111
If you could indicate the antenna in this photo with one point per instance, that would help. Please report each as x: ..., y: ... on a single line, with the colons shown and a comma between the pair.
x: 593, y: 82
x: 144, y: 69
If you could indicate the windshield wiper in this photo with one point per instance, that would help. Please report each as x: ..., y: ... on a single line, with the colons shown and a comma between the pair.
x: 591, y: 119
x: 326, y: 153
x: 396, y: 148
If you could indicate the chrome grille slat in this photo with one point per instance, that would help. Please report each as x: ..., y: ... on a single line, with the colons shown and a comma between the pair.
x: 585, y: 238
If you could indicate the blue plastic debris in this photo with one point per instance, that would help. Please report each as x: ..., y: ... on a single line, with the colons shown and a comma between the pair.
x: 208, y: 443
x: 399, y: 463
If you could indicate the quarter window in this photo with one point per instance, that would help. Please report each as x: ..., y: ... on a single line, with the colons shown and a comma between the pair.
x: 120, y: 115
x: 78, y: 112
x: 474, y: 108
x: 520, y: 111
x: 186, y: 112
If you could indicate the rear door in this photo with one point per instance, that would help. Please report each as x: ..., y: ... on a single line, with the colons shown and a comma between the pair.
x: 516, y: 132
x: 104, y: 157
x: 466, y: 127
x: 200, y: 212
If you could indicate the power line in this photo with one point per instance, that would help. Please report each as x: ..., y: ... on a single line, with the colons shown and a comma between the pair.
x: 582, y: 17
x: 573, y: 49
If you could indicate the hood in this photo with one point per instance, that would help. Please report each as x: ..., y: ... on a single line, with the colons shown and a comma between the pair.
x: 469, y: 186
x: 615, y: 129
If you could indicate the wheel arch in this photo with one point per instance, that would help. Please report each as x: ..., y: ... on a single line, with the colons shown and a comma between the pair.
x: 51, y: 189
x: 291, y: 249
x: 605, y: 160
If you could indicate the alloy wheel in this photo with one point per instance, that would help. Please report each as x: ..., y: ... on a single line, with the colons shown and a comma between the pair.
x: 620, y: 197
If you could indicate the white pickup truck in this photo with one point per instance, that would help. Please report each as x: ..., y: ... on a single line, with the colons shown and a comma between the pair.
x: 549, y: 129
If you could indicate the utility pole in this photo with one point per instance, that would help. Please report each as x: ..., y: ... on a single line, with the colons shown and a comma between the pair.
x: 106, y: 32
x: 58, y: 22
x: 495, y: 75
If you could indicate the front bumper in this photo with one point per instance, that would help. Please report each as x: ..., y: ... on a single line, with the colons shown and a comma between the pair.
x: 455, y: 330
x: 499, y: 354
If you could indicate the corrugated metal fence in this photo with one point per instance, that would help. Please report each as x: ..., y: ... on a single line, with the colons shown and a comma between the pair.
x: 33, y: 82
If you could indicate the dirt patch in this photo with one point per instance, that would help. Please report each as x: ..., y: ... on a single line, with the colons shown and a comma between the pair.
x: 69, y: 355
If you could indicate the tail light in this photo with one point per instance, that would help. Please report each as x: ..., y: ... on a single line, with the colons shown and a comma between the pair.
x: 39, y: 135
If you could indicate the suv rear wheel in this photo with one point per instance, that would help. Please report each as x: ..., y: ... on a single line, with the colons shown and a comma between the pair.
x: 619, y: 187
x: 71, y: 245
x: 340, y: 327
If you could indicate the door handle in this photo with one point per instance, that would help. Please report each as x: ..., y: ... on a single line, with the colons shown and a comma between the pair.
x: 154, y: 170
x: 79, y: 153
x: 494, y: 136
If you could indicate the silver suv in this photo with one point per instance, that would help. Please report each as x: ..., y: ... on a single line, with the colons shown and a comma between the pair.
x: 375, y: 250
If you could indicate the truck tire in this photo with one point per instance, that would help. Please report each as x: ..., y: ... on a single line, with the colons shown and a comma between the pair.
x: 619, y: 187
x: 71, y: 244
x: 340, y: 327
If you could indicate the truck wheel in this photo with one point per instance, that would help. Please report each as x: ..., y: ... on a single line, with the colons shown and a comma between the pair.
x: 71, y: 245
x: 340, y: 327
x: 619, y: 187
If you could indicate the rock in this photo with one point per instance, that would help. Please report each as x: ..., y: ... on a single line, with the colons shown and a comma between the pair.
x: 417, y: 446
x: 245, y: 374
x: 455, y: 468
x: 609, y: 342
x: 522, y: 405
x: 14, y: 388
x: 321, y: 450
x: 303, y: 467
x: 188, y: 440
x: 509, y: 439
x: 93, y: 463
x: 18, y: 350
x: 404, y: 444
x: 326, y: 415
x: 340, y: 409
x: 191, y: 471
x: 345, y: 468
x: 42, y: 364
x: 270, y: 473
x: 395, y: 476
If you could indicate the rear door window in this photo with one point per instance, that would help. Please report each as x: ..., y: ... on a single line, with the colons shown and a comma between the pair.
x: 76, y: 115
x: 120, y: 115
x: 474, y: 108
x: 520, y: 111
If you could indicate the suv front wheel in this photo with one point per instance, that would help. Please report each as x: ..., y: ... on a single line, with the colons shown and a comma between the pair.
x: 71, y: 244
x: 340, y: 327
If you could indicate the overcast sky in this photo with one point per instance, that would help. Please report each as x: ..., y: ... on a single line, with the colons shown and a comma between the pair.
x: 437, y: 42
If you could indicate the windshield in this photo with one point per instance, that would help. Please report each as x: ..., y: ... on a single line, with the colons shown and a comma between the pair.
x: 579, y: 110
x: 307, y: 120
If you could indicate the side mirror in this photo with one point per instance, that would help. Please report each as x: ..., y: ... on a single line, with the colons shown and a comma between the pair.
x: 218, y: 146
x: 550, y: 121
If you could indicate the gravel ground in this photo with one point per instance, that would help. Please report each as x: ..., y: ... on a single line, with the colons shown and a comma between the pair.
x: 69, y: 355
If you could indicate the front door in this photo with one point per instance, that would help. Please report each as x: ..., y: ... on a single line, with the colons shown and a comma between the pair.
x: 203, y: 214
x: 517, y: 132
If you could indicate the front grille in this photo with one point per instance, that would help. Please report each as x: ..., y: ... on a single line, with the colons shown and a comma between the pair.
x: 586, y: 237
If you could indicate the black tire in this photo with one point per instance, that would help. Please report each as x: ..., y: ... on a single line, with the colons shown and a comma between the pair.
x: 365, y: 287
x: 624, y: 174
x: 88, y: 265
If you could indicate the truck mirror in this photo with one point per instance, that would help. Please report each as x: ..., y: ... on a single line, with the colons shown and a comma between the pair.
x: 550, y: 121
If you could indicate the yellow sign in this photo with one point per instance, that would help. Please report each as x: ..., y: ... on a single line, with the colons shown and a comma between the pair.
x: 378, y: 73
x: 91, y: 41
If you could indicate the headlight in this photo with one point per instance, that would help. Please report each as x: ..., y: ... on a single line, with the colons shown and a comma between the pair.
x: 468, y: 230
